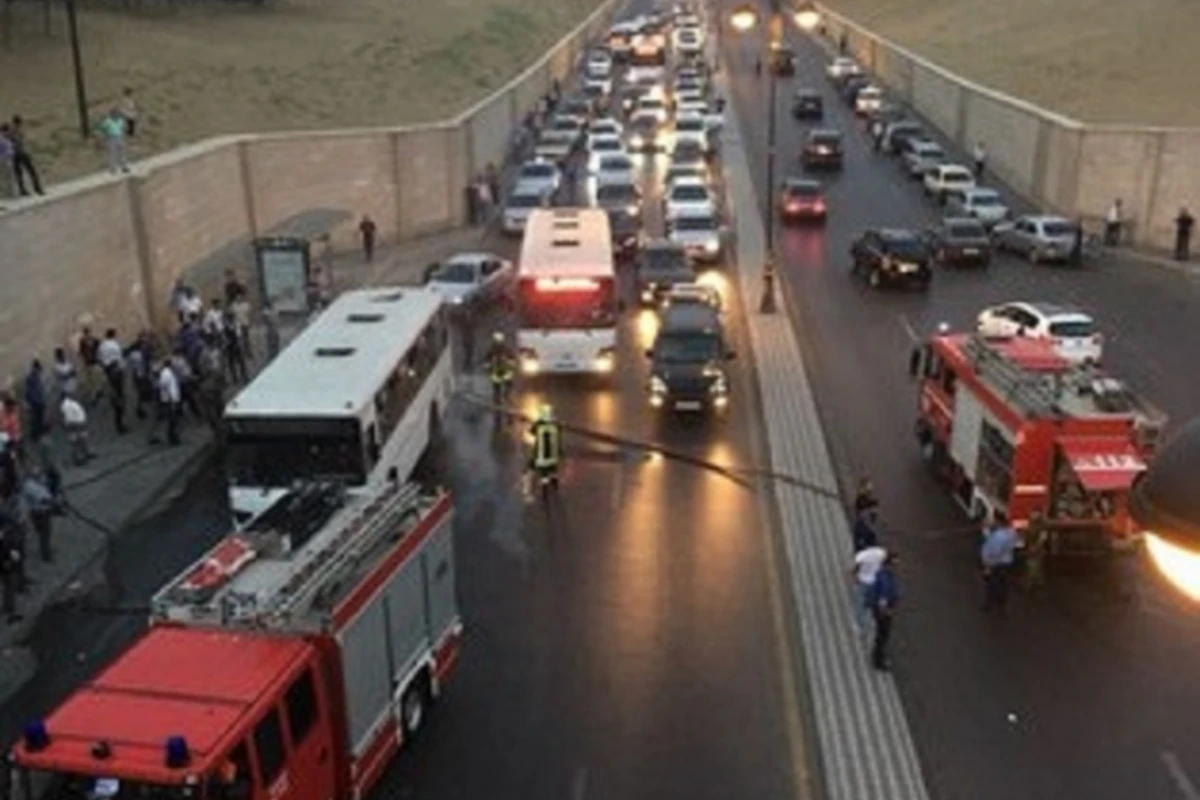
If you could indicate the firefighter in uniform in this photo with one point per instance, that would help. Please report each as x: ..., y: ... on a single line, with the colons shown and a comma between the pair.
x: 501, y: 368
x: 546, y: 452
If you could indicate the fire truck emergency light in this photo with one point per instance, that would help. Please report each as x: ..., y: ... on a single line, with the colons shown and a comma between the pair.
x: 1166, y: 504
x: 178, y: 754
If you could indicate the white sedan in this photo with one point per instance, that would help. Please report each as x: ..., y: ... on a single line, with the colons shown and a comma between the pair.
x: 599, y: 64
x: 1073, y: 333
x: 603, y: 126
x: 842, y: 67
x: 616, y: 169
x: 600, y: 147
x: 692, y: 129
x: 468, y: 278
x: 543, y: 176
x: 688, y: 196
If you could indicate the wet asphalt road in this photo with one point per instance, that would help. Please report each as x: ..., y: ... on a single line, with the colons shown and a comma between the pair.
x: 622, y: 646
x: 1097, y: 678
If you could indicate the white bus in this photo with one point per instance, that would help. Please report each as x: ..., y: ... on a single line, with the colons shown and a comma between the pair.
x: 357, y: 397
x: 567, y: 292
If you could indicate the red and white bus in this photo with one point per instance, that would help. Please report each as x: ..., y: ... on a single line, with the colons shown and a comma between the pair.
x: 567, y: 293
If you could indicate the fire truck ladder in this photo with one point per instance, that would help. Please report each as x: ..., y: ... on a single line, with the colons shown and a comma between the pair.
x: 1036, y: 394
x: 316, y: 586
x: 257, y: 579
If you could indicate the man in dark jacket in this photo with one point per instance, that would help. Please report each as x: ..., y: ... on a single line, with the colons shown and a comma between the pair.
x: 885, y: 597
x: 1183, y: 235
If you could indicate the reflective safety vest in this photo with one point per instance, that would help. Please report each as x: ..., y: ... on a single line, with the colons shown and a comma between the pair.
x: 547, y: 445
x: 502, y: 370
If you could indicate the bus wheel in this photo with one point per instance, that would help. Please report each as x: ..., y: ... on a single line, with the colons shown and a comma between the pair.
x: 413, y: 706
x: 428, y: 469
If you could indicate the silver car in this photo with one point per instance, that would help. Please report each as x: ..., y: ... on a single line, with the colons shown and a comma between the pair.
x: 1037, y: 238
x: 554, y: 146
x: 700, y: 234
x: 524, y: 199
x: 985, y: 205
x: 922, y: 155
x: 468, y: 278
x: 539, y: 175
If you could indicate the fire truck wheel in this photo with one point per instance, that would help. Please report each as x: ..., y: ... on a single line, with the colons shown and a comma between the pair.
x: 413, y: 706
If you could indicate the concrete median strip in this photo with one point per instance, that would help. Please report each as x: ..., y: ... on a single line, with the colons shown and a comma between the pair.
x: 867, y: 750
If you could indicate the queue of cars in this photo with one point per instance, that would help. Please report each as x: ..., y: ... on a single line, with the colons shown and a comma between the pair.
x: 976, y: 222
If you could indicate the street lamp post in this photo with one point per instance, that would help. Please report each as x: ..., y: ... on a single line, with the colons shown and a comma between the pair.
x: 807, y: 17
x: 77, y: 63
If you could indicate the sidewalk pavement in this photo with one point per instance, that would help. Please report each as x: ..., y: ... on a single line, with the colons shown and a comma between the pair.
x: 867, y: 750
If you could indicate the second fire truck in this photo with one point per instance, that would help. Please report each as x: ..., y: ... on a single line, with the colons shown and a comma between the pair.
x: 291, y: 662
x: 1014, y: 428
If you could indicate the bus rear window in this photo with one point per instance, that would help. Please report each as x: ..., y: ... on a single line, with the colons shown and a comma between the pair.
x: 549, y: 305
x: 276, y: 452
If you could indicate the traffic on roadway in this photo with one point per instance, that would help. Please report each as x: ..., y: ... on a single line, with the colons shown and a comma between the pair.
x: 1077, y: 691
x: 594, y: 607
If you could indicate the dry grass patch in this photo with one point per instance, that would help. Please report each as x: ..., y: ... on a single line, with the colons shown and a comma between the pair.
x: 1096, y: 60
x: 294, y: 64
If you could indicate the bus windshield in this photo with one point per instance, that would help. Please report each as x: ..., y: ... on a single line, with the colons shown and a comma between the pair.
x: 276, y: 452
x: 43, y: 785
x: 558, y: 308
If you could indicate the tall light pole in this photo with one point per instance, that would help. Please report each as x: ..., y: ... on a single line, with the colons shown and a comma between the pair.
x: 745, y: 18
x: 77, y: 63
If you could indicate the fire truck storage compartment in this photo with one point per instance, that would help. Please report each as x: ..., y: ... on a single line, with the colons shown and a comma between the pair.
x: 964, y: 437
x: 382, y: 646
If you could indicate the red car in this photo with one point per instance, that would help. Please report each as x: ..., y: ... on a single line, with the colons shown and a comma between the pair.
x: 802, y: 199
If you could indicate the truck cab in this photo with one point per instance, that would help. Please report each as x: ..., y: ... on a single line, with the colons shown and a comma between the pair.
x: 258, y: 720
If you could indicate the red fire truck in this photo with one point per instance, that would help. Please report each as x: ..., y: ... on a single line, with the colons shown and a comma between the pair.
x: 1014, y: 428
x: 291, y: 662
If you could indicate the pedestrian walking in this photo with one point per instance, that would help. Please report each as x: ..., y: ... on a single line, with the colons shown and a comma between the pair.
x: 13, y: 537
x: 472, y: 196
x: 22, y: 161
x: 169, y: 403
x: 137, y: 362
x: 1112, y: 223
x: 884, y: 599
x: 11, y: 418
x: 491, y: 177
x: 997, y: 555
x: 1077, y: 245
x: 39, y: 507
x: 8, y: 187
x: 1183, y: 234
x: 1037, y: 549
x: 241, y: 312
x: 979, y: 156
x: 843, y: 44
x: 187, y: 302
x: 214, y: 323
x: 75, y: 423
x: 66, y: 376
x: 234, y: 289
x: 187, y: 378
x: 212, y: 389
x: 366, y: 232
x: 10, y: 572
x: 47, y: 464
x: 89, y: 349
x: 485, y: 200
x: 112, y: 360
x: 864, y: 496
x: 867, y: 563
x: 112, y: 130
x: 35, y: 399
x: 270, y: 318
x: 231, y: 346
x: 128, y: 109
x: 865, y: 530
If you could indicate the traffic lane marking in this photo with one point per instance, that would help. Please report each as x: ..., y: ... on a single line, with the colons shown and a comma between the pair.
x: 1179, y: 776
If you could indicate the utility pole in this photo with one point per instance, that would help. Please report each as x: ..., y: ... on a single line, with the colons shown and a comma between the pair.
x: 77, y: 62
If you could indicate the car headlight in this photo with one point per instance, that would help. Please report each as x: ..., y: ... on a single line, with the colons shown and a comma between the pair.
x: 457, y: 300
x: 712, y: 246
x: 605, y: 360
x: 636, y: 140
x: 657, y: 385
x: 529, y: 362
x: 632, y: 210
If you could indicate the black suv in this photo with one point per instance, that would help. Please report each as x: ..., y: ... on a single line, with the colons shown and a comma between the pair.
x: 822, y: 148
x: 660, y: 265
x: 808, y: 104
x: 687, y: 361
x: 891, y: 256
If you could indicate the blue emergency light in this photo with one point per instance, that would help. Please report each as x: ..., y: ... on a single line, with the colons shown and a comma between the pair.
x: 37, y: 738
x: 178, y: 754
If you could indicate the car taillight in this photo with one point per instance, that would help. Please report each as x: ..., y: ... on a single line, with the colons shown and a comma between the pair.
x: 792, y: 205
x: 819, y: 205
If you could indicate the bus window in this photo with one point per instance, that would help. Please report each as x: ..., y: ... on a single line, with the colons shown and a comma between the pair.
x: 268, y: 745
x: 276, y: 452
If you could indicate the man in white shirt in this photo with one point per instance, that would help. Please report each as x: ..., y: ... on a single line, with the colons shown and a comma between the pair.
x: 1112, y: 223
x: 111, y: 356
x: 867, y: 563
x: 74, y: 419
x: 167, y: 386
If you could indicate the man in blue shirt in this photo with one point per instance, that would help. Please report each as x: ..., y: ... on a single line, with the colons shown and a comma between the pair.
x: 997, y: 555
x: 884, y: 597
